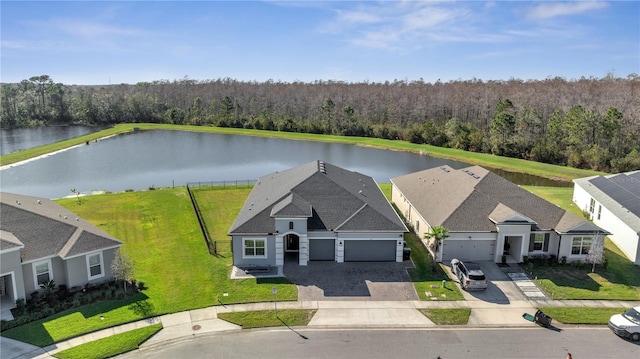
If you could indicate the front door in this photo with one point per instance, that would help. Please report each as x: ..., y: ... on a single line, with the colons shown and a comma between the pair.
x: 292, y: 243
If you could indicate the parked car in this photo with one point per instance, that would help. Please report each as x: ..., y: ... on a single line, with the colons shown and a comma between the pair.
x: 470, y: 275
x: 627, y: 324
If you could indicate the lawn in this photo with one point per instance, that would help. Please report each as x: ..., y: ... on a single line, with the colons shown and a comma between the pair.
x: 163, y: 239
x: 453, y: 316
x: 619, y: 281
x: 268, y: 318
x: 582, y: 315
x: 111, y: 346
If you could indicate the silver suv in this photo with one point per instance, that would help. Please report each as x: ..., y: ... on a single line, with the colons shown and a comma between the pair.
x: 470, y: 275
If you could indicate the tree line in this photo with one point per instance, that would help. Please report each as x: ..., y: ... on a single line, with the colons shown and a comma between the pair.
x: 587, y: 123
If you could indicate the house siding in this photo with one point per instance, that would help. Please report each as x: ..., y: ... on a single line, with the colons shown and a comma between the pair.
x: 625, y: 238
x: 238, y: 259
x: 10, y: 264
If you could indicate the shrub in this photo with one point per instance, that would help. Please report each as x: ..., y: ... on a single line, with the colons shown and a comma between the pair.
x: 564, y: 260
x: 21, y: 306
x: 141, y: 286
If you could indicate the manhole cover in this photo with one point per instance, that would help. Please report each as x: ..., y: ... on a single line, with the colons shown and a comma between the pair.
x: 196, y: 327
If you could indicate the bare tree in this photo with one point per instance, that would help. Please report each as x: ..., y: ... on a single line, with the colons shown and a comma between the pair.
x: 122, y: 268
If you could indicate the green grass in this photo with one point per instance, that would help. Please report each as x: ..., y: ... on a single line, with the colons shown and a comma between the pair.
x: 267, y: 318
x: 452, y: 316
x: 581, y: 315
x: 111, y: 346
x: 70, y: 323
x: 506, y: 163
x: 425, y: 278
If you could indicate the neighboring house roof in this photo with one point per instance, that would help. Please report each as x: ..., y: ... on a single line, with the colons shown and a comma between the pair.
x: 619, y: 193
x: 8, y: 242
x: 474, y: 199
x: 331, y: 197
x: 47, y: 229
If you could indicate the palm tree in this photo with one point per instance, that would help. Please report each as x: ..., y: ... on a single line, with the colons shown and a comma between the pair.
x: 434, y: 240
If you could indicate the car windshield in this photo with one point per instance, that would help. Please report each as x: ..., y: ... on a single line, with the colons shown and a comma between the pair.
x: 476, y: 277
x: 632, y: 315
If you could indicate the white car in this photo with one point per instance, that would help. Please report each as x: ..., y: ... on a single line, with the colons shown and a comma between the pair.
x: 627, y: 324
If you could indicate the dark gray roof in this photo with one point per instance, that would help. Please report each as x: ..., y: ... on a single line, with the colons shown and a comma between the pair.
x: 474, y: 199
x: 340, y: 200
x: 8, y: 241
x: 619, y: 193
x: 47, y: 229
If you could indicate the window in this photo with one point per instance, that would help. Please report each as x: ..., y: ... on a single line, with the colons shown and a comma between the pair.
x: 599, y: 210
x: 255, y: 248
x: 538, y: 241
x: 592, y: 205
x: 42, y: 272
x: 94, y: 266
x: 417, y: 226
x: 580, y: 245
x: 290, y: 225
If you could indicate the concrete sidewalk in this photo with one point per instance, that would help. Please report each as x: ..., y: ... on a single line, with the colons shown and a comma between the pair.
x: 330, y: 314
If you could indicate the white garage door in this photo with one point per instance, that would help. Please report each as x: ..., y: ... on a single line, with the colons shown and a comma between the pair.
x: 469, y: 250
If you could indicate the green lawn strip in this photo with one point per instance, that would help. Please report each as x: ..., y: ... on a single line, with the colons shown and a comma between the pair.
x: 451, y: 316
x: 267, y: 318
x: 77, y: 321
x: 483, y: 159
x: 111, y: 346
x: 425, y: 278
x: 581, y: 315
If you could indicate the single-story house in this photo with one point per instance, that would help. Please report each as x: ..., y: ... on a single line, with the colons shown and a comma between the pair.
x: 42, y: 241
x: 488, y: 217
x: 613, y: 203
x: 316, y: 212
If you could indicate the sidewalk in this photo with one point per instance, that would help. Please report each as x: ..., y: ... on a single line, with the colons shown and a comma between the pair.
x: 330, y: 314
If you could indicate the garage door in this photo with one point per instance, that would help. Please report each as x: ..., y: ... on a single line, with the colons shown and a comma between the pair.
x: 322, y: 250
x: 476, y: 250
x: 370, y: 251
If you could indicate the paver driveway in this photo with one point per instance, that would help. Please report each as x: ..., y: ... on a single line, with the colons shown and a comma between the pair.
x: 351, y: 281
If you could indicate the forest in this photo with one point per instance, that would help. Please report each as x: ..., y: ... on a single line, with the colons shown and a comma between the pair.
x: 591, y: 123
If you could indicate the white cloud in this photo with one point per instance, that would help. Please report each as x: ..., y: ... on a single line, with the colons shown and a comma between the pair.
x: 549, y: 10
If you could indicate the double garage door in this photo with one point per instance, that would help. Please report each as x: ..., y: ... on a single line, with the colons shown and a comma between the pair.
x: 469, y: 250
x: 354, y: 251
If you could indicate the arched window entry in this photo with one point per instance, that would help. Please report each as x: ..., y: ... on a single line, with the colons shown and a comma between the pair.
x: 290, y: 225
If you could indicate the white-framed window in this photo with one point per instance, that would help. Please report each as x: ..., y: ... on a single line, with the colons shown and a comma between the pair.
x: 581, y: 245
x: 538, y: 242
x: 418, y: 226
x: 254, y: 248
x: 95, y: 266
x: 42, y: 272
x: 592, y: 205
x: 599, y: 210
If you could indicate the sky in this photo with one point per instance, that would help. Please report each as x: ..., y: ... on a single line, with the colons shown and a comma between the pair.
x: 112, y: 42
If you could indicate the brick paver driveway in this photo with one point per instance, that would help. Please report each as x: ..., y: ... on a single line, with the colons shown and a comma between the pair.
x: 351, y: 281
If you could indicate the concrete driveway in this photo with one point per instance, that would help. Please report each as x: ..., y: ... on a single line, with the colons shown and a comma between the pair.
x: 379, y: 281
x: 501, y: 289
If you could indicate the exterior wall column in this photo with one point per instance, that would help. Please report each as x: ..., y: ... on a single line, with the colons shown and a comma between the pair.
x: 303, y: 250
x: 339, y: 250
x: 279, y: 250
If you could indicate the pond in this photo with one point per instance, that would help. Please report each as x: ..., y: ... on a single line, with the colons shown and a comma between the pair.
x: 145, y: 159
x: 19, y: 139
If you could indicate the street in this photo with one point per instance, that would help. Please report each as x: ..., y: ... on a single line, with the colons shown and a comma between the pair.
x: 449, y: 343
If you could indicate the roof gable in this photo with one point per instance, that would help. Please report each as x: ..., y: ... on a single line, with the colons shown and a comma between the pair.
x: 46, y: 228
x: 333, y: 195
x: 474, y: 199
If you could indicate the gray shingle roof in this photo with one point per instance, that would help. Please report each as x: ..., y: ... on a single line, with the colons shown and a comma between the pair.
x: 340, y: 200
x: 473, y: 198
x: 47, y: 229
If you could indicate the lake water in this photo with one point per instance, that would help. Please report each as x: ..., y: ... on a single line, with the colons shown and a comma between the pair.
x: 147, y: 159
x: 23, y: 138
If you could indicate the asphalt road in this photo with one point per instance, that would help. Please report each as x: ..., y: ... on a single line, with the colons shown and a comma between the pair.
x: 450, y: 343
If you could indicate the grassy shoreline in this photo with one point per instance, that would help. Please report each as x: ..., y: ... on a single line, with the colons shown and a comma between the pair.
x: 505, y: 163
